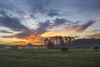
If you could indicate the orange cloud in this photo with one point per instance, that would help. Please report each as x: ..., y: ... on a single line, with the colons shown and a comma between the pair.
x: 34, y: 39
x: 12, y: 41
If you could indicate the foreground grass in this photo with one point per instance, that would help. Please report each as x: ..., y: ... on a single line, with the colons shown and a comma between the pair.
x: 49, y: 58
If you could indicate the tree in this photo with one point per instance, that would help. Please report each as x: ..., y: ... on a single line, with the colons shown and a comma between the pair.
x: 49, y: 44
x: 58, y: 41
x: 69, y: 40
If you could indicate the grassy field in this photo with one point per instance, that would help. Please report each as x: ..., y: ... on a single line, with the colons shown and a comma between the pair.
x: 49, y: 58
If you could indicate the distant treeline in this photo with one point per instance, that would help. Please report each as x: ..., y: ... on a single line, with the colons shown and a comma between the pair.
x: 71, y: 42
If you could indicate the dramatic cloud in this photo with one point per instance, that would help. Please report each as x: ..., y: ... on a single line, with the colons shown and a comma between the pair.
x: 43, y: 27
x: 14, y: 24
x: 59, y: 21
x: 49, y: 14
x: 25, y: 33
x: 52, y: 24
x: 82, y: 28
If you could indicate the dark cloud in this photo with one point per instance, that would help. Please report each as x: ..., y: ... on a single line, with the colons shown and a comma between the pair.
x: 43, y: 26
x: 53, y: 12
x: 3, y: 13
x: 59, y: 21
x: 14, y: 24
x: 43, y: 6
x: 82, y: 28
x: 63, y: 21
x: 4, y: 31
x: 49, y: 24
x: 25, y: 33
x: 76, y: 26
x: 51, y: 8
x: 58, y: 13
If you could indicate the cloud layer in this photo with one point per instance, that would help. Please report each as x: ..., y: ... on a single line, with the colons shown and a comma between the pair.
x: 49, y: 14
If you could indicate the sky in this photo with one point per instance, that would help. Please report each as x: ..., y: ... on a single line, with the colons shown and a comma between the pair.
x: 25, y: 19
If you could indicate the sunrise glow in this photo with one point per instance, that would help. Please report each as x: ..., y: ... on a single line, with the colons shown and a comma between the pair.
x: 23, y: 22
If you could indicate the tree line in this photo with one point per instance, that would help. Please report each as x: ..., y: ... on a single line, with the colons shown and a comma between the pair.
x: 60, y: 41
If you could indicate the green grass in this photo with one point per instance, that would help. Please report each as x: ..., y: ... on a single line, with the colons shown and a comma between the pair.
x: 49, y: 58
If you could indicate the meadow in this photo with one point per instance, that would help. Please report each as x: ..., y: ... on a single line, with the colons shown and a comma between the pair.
x: 50, y: 58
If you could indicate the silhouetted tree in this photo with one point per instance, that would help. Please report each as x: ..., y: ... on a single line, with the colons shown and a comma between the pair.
x: 69, y: 40
x: 58, y: 41
x: 49, y: 44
